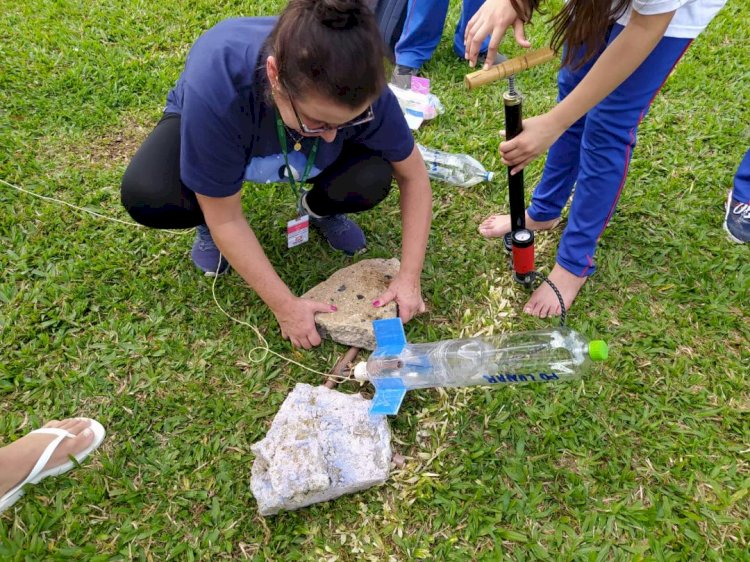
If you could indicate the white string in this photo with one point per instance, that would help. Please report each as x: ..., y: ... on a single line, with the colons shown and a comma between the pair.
x: 264, y: 343
x: 46, y: 198
x: 89, y: 211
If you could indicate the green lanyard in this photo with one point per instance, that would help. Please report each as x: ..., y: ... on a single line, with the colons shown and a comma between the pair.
x: 308, y: 165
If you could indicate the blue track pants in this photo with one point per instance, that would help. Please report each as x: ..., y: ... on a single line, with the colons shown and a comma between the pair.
x: 423, y: 28
x: 594, y: 154
x: 741, y: 190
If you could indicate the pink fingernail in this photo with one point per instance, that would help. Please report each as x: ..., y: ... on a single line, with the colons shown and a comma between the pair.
x: 333, y: 308
x: 375, y: 303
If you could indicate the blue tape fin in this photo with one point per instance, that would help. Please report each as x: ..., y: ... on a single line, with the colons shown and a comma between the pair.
x: 390, y: 338
x: 389, y: 394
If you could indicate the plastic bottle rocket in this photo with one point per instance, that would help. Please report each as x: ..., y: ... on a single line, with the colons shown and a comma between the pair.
x: 396, y: 366
x: 457, y: 169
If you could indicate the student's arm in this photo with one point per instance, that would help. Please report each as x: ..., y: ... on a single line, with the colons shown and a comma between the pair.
x: 416, y: 216
x: 237, y: 242
x: 618, y: 61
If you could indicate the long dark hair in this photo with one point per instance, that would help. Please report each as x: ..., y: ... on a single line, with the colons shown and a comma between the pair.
x: 581, y: 24
x: 330, y: 47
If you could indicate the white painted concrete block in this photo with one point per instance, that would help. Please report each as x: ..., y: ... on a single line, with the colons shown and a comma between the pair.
x: 322, y: 444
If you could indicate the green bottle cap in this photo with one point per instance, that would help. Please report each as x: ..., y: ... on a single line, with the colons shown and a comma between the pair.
x: 598, y: 350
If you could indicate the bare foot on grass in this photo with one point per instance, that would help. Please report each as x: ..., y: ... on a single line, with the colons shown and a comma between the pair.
x: 544, y: 302
x: 497, y: 226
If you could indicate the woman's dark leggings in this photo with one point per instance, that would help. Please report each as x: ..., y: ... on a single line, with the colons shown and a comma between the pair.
x: 154, y: 195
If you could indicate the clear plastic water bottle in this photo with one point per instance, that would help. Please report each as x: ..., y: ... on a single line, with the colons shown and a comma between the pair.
x: 457, y: 169
x: 524, y: 357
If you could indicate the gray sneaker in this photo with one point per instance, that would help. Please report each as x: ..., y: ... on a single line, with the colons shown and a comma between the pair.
x: 206, y: 256
x: 342, y: 233
x: 401, y: 77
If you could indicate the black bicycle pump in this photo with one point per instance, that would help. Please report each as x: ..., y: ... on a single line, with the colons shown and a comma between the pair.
x: 519, y: 242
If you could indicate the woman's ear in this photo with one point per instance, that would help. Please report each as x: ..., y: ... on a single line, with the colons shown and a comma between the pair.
x: 272, y: 70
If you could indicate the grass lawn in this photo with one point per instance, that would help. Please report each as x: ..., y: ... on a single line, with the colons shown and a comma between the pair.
x: 648, y: 457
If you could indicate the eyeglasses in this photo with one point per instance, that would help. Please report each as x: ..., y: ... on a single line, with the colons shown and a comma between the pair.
x: 364, y: 117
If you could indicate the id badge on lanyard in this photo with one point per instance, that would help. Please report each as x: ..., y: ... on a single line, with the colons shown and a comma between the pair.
x: 298, y: 229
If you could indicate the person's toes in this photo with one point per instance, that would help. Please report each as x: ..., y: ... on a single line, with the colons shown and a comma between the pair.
x: 66, y: 423
x: 532, y: 307
x: 75, y: 425
x: 72, y: 446
x: 72, y: 425
x: 493, y: 227
x: 82, y: 438
x: 487, y: 223
x: 543, y: 310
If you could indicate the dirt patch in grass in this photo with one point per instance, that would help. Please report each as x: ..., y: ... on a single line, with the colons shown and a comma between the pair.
x: 117, y: 147
x: 568, y: 462
x: 108, y: 149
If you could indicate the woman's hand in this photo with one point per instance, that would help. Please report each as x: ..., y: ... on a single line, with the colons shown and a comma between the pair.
x: 537, y: 136
x: 297, y: 321
x: 493, y: 19
x: 407, y: 293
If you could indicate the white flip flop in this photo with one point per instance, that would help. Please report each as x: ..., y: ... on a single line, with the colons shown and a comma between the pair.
x: 36, y: 474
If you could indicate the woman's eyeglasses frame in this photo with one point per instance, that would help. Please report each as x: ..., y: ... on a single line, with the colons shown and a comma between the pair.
x: 366, y: 116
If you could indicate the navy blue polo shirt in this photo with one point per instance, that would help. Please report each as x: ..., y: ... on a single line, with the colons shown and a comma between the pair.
x: 228, y: 123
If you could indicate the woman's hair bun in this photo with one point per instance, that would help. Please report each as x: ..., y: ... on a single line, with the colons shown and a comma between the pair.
x: 340, y: 14
x: 331, y: 48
